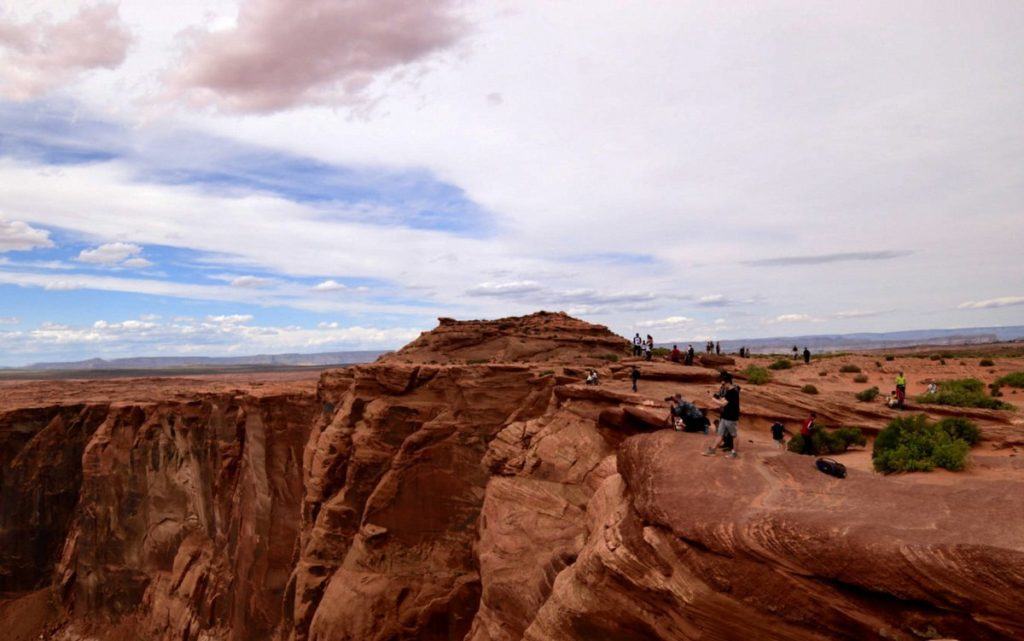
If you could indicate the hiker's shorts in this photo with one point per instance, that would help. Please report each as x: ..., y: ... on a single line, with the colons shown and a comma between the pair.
x: 727, y: 427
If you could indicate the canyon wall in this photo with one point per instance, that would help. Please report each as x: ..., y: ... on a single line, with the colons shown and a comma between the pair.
x: 471, y: 487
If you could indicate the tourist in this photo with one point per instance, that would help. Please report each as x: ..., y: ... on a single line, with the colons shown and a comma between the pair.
x: 807, y: 431
x: 728, y: 399
x: 718, y: 348
x: 892, y: 401
x: 933, y: 388
x: 779, y: 434
x: 689, y: 355
x: 634, y: 376
x: 648, y: 352
x: 795, y: 352
x: 807, y: 355
x: 637, y: 342
x: 901, y: 390
x: 592, y: 378
x: 675, y: 356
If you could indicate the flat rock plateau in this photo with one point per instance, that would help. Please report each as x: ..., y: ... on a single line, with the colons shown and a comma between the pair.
x: 470, y: 487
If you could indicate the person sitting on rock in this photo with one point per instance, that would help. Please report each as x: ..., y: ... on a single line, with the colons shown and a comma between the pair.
x: 675, y: 356
x: 779, y: 435
x: 807, y: 432
x: 892, y: 401
x: 933, y: 388
x: 592, y: 378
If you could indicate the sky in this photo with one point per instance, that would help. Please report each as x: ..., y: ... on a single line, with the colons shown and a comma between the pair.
x: 232, y: 177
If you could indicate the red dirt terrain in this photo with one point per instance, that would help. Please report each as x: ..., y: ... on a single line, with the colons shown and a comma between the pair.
x: 471, y: 487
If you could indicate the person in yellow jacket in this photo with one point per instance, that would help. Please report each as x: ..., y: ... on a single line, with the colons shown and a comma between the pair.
x: 901, y: 390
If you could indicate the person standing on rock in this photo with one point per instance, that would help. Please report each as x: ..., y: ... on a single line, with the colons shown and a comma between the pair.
x: 718, y: 348
x: 634, y: 376
x: 637, y: 342
x: 727, y: 398
x: 807, y: 355
x: 689, y: 356
x: 901, y: 390
x: 806, y: 431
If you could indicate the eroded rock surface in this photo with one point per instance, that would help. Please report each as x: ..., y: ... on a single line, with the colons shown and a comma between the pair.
x: 470, y: 486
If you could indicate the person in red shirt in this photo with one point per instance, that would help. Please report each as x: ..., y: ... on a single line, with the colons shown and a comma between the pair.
x: 806, y: 431
x: 676, y: 355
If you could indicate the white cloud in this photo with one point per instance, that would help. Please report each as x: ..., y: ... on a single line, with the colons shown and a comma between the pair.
x: 215, y: 335
x: 329, y: 286
x: 791, y: 318
x: 9, y: 320
x: 992, y: 303
x: 250, y: 282
x: 513, y: 288
x: 18, y: 236
x: 671, y: 321
x: 114, y: 255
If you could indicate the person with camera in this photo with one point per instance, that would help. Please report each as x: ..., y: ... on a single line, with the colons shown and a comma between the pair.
x: 728, y: 399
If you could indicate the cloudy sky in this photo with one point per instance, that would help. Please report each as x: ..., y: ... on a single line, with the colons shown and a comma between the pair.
x: 232, y: 177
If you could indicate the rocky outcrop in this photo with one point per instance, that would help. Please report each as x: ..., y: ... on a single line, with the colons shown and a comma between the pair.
x: 786, y: 553
x: 539, y: 337
x: 470, y: 486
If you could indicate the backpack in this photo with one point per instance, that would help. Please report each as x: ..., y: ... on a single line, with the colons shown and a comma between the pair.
x: 831, y: 467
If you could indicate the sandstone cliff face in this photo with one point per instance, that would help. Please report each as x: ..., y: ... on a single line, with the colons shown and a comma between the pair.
x: 470, y: 487
x: 182, y: 516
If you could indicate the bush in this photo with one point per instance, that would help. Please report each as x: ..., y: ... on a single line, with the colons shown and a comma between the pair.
x: 828, y: 441
x: 868, y: 395
x: 961, y: 428
x: 1015, y: 379
x: 809, y: 389
x: 964, y: 392
x: 914, y: 444
x: 757, y: 375
x: 611, y: 358
x: 660, y: 351
x: 849, y: 369
x: 860, y: 378
x: 890, y: 357
x: 986, y: 362
x: 878, y: 364
x: 934, y: 357
x: 782, y: 363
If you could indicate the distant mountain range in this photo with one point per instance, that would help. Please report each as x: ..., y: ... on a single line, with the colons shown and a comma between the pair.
x: 172, y: 362
x: 874, y: 340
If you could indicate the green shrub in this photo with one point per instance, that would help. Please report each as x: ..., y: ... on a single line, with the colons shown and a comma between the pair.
x: 860, y: 378
x: 868, y: 395
x: 964, y: 392
x: 782, y: 363
x: 757, y: 375
x: 1015, y: 379
x: 986, y: 362
x: 890, y: 357
x: 995, y: 390
x: 934, y: 357
x: 660, y: 351
x: 914, y: 444
x: 809, y: 389
x: 612, y: 358
x: 961, y: 428
x: 829, y: 441
x: 878, y: 364
x: 849, y: 369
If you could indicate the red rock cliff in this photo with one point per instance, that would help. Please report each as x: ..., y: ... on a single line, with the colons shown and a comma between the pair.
x: 470, y: 487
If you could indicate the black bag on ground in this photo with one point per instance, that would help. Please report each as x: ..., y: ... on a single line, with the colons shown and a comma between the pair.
x: 831, y: 467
